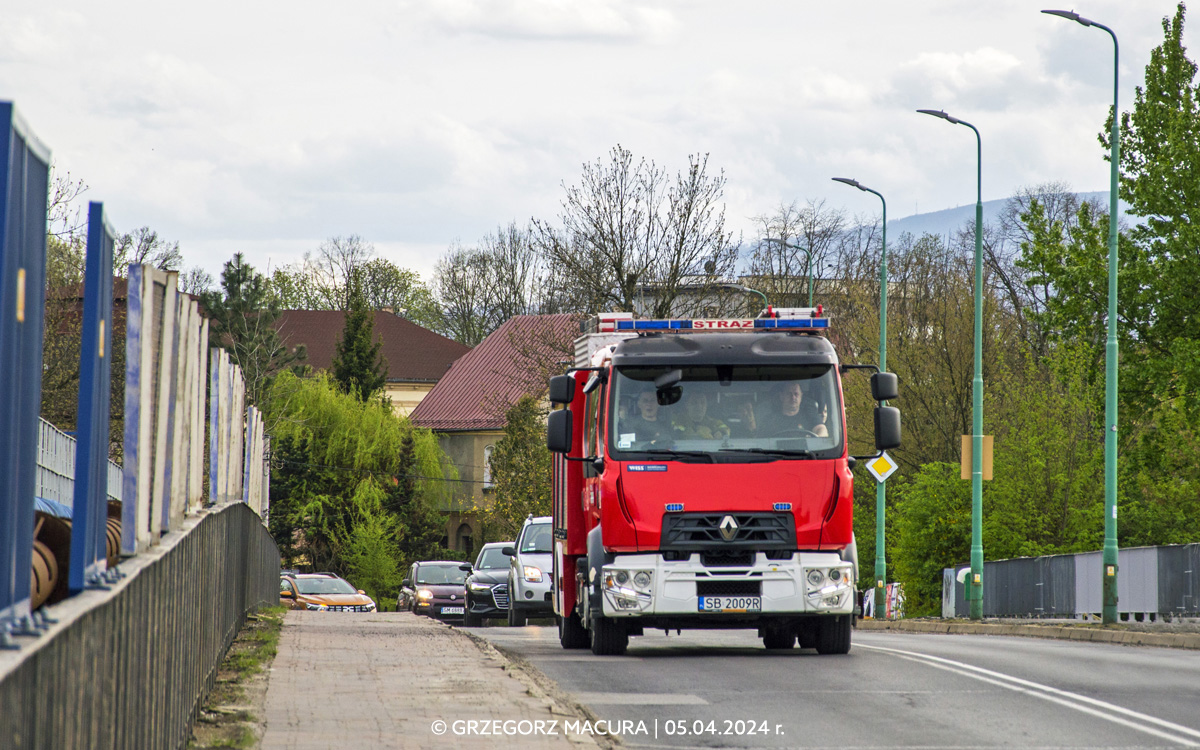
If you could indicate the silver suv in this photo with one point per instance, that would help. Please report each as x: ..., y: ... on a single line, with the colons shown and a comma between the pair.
x: 529, y: 573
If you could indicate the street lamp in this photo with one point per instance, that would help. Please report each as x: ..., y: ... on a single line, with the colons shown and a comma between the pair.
x: 880, y: 490
x: 742, y: 288
x: 975, y: 590
x: 807, y: 262
x: 1111, y: 350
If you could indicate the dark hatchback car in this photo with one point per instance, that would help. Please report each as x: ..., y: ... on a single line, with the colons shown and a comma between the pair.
x: 437, y: 588
x: 487, y: 586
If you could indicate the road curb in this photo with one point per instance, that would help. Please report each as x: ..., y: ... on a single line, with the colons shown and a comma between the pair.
x: 1093, y: 633
x: 541, y: 687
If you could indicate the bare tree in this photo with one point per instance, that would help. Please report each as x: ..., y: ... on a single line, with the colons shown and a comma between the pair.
x: 793, y: 243
x: 481, y: 287
x: 143, y: 245
x: 333, y: 265
x: 196, y: 281
x: 632, y: 238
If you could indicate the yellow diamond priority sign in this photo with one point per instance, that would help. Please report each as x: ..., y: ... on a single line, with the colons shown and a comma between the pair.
x: 882, y: 467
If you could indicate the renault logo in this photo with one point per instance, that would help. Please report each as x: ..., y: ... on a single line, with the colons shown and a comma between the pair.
x: 728, y: 528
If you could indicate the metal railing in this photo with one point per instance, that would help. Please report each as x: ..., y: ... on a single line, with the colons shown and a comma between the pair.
x: 1155, y: 582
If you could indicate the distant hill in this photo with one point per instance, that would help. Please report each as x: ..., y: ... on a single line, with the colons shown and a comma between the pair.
x: 952, y: 219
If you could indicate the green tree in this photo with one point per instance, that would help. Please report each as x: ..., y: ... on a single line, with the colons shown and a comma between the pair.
x: 359, y: 367
x: 520, y: 469
x: 242, y: 319
x: 352, y: 483
x: 1160, y: 151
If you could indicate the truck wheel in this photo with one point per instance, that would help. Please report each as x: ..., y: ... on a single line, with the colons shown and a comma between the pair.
x: 471, y: 620
x: 779, y: 638
x: 571, y: 633
x: 516, y: 619
x: 833, y: 635
x: 608, y: 637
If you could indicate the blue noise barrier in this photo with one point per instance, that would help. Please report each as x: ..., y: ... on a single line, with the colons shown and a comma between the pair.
x: 25, y: 171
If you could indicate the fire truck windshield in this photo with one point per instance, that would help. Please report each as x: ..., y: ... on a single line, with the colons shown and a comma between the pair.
x: 730, y: 412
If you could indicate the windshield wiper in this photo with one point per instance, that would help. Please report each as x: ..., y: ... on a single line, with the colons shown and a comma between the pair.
x: 681, y: 454
x: 778, y: 452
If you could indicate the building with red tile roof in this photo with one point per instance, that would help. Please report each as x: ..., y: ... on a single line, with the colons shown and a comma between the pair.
x: 466, y: 408
x: 416, y: 357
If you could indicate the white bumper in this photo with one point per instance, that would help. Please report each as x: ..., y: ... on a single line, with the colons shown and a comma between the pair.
x: 787, y: 586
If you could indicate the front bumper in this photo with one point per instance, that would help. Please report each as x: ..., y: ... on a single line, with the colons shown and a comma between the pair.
x: 783, y: 587
x: 490, y: 603
x: 532, y: 596
x: 434, y: 608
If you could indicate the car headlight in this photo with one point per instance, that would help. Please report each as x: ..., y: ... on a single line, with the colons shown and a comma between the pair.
x: 532, y: 574
x: 424, y: 594
x: 815, y: 577
x: 311, y: 606
x: 479, y: 588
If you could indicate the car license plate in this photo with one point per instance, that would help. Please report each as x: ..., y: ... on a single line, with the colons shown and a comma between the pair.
x: 452, y: 610
x: 730, y: 603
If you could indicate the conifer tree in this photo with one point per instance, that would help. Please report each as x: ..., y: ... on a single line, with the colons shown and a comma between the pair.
x: 358, y: 365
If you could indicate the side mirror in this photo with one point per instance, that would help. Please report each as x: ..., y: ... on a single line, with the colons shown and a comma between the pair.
x: 406, y: 583
x: 287, y: 594
x: 466, y: 567
x: 508, y: 551
x: 562, y: 389
x: 885, y: 386
x: 362, y: 592
x: 558, y: 431
x: 887, y: 428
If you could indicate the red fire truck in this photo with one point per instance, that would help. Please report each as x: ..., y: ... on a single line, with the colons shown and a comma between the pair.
x: 702, y: 480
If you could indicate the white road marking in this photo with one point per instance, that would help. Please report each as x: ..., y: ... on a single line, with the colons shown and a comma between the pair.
x: 1101, y: 709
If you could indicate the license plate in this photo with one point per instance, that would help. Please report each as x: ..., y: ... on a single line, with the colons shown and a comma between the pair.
x: 452, y: 610
x: 730, y: 603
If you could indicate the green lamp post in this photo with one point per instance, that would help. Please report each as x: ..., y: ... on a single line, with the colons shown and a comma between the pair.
x: 1111, y: 349
x: 880, y: 488
x: 975, y: 589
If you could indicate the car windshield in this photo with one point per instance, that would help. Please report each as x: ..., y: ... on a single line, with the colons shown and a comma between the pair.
x: 324, y: 586
x: 536, y: 538
x: 726, y: 413
x: 432, y: 575
x: 492, y: 558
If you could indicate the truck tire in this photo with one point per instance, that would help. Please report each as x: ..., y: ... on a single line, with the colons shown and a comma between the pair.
x: 779, y: 638
x: 516, y: 619
x: 833, y: 635
x: 571, y: 633
x: 471, y: 620
x: 609, y: 637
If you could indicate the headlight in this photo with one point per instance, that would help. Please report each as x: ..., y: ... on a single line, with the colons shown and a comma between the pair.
x: 532, y: 574
x: 815, y: 577
x: 311, y: 606
x: 371, y: 607
x: 424, y: 594
x: 479, y: 588
x: 641, y: 579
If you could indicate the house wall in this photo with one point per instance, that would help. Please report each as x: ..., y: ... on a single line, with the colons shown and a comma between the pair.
x: 406, y: 396
x: 468, y: 452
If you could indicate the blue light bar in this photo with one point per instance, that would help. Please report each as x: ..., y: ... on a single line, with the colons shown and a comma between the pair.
x: 782, y: 506
x: 791, y: 323
x: 674, y: 507
x: 653, y: 325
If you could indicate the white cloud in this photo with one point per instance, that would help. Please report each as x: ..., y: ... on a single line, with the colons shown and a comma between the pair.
x: 599, y: 20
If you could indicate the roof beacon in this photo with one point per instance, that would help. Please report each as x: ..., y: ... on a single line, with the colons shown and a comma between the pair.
x: 783, y: 319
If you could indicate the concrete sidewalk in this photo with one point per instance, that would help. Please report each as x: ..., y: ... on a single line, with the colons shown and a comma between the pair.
x: 393, y: 680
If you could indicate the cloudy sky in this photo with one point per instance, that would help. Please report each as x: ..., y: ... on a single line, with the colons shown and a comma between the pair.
x: 267, y: 126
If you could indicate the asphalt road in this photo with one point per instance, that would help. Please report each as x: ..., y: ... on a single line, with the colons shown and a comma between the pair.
x: 894, y: 690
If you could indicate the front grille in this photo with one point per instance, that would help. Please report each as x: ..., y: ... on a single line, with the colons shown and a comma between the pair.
x: 728, y: 588
x: 727, y: 558
x: 348, y: 608
x: 500, y: 595
x: 756, y: 531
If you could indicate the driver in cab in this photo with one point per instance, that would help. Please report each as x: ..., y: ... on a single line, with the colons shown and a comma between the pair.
x: 786, y: 416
